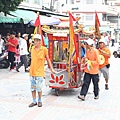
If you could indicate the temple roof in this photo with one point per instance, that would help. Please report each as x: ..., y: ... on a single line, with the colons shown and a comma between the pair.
x: 63, y: 28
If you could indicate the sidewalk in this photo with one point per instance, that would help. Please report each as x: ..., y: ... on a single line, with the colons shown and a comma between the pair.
x: 15, y: 96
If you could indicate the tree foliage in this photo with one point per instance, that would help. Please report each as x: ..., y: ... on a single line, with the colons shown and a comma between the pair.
x: 9, y: 5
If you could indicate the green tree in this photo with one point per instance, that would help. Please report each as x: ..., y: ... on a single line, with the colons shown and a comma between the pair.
x: 9, y: 5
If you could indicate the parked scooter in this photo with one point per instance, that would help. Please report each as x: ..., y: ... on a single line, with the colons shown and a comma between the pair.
x: 29, y: 59
x: 118, y: 50
x: 4, y: 63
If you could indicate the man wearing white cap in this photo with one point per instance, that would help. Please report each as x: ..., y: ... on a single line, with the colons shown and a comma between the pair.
x: 91, y: 71
x: 104, y: 68
x: 23, y: 53
x: 38, y: 55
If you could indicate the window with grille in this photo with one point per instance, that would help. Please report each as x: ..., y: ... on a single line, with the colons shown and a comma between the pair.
x: 83, y: 18
x: 89, y: 1
x: 89, y: 17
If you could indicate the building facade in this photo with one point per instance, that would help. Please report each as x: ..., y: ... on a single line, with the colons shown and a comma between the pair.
x: 115, y: 19
x: 108, y: 11
x: 86, y: 10
x: 31, y: 4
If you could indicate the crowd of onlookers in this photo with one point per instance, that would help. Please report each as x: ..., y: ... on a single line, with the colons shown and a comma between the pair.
x: 17, y: 46
x: 18, y: 49
x: 107, y: 39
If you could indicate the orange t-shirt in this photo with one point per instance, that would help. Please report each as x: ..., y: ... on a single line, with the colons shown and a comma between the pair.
x: 93, y: 56
x: 106, y: 57
x: 37, y: 61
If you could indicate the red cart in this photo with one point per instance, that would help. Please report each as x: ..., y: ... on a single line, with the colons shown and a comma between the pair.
x: 62, y: 80
x: 58, y: 54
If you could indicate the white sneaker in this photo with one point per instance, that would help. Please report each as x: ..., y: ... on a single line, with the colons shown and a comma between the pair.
x: 82, y: 97
x: 97, y: 97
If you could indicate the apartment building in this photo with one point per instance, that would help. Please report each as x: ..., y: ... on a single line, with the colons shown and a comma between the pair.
x: 115, y: 5
x: 108, y: 11
x: 39, y: 4
x: 86, y: 10
x: 115, y: 19
x: 31, y: 4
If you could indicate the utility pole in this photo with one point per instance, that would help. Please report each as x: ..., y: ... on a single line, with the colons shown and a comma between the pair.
x: 51, y: 5
x: 52, y: 2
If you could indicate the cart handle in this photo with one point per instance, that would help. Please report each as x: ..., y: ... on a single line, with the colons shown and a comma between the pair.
x: 56, y: 72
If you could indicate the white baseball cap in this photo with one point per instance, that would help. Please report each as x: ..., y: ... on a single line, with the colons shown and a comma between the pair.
x: 101, y: 41
x: 24, y: 35
x: 90, y: 41
x: 37, y: 36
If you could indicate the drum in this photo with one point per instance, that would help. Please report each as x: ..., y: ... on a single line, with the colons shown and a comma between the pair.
x: 102, y: 59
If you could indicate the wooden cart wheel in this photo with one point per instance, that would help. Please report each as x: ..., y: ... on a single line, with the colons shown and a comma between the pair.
x: 57, y: 92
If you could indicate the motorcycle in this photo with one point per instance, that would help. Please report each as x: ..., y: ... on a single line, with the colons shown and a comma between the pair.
x: 4, y: 63
x: 118, y: 50
x: 29, y: 59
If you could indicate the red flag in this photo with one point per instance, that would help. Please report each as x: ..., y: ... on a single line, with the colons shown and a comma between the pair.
x: 97, y: 25
x: 37, y: 21
x: 72, y: 35
x: 38, y: 24
x: 97, y: 19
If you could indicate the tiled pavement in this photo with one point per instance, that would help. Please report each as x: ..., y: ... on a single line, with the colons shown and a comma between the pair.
x: 15, y: 97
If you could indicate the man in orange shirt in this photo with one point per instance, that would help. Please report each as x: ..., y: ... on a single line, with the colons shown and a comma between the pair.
x: 38, y: 55
x: 92, y: 57
x: 104, y: 68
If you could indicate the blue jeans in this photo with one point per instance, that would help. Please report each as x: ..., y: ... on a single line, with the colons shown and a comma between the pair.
x: 36, y: 83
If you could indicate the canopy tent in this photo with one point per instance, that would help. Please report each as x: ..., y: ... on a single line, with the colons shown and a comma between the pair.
x: 30, y: 17
x: 47, y: 20
x: 9, y: 19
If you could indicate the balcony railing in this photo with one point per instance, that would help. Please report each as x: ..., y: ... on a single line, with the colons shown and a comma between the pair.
x: 112, y: 10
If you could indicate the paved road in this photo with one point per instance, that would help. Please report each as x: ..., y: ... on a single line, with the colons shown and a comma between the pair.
x: 15, y: 97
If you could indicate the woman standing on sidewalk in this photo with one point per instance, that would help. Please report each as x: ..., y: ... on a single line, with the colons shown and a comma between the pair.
x: 17, y: 56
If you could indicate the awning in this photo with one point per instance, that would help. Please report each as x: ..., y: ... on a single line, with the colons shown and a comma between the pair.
x: 10, y: 19
x: 30, y: 17
x: 27, y: 16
